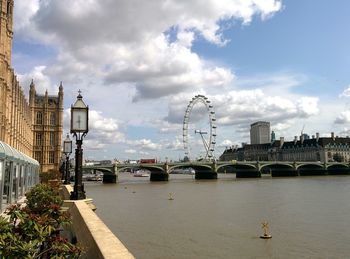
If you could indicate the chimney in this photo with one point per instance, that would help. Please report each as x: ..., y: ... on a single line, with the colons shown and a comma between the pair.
x: 295, y: 139
x: 281, y: 141
x: 332, y: 135
x: 313, y: 136
x: 317, y: 136
x: 302, y: 139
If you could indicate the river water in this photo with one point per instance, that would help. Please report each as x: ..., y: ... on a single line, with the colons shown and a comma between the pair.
x: 309, y: 217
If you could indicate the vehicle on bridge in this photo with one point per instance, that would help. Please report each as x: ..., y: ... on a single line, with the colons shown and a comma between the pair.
x: 148, y: 161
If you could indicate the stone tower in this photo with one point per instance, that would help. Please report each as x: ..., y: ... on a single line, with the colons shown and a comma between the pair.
x: 6, y: 31
x: 47, y: 118
x: 15, y: 119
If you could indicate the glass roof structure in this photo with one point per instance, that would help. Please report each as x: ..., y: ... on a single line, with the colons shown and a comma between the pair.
x: 9, y: 153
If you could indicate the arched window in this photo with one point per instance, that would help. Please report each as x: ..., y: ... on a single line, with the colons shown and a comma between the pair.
x: 51, y: 157
x: 52, y: 138
x: 37, y: 156
x: 9, y: 8
x: 38, y: 139
x: 39, y: 118
x: 52, y: 118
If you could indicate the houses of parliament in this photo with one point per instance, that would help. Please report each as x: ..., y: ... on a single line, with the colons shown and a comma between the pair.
x: 32, y: 126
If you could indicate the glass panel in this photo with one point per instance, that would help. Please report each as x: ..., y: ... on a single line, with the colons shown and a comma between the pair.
x: 25, y: 172
x: 20, y: 182
x: 7, y: 180
x: 1, y: 184
x: 15, y: 182
x: 28, y: 177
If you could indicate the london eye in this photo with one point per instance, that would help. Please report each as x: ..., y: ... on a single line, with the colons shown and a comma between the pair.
x: 208, y: 135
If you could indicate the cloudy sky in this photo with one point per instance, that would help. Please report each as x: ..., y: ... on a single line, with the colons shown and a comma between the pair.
x: 139, y: 63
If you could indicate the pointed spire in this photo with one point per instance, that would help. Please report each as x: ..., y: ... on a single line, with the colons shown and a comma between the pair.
x: 32, y: 85
x: 61, y: 86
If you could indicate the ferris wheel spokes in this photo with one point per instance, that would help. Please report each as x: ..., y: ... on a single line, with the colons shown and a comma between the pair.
x: 210, y: 144
x: 205, y: 144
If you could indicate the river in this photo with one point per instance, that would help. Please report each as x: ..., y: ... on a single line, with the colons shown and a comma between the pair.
x: 309, y: 217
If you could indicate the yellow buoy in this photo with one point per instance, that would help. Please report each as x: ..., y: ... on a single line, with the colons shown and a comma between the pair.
x: 265, y: 227
x: 170, y: 197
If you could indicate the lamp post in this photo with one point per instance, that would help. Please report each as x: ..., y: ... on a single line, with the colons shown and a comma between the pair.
x: 62, y: 168
x: 67, y: 150
x: 79, y: 126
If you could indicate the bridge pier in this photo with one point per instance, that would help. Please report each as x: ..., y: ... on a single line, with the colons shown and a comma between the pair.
x: 200, y: 175
x: 248, y: 173
x: 109, y: 178
x: 159, y: 177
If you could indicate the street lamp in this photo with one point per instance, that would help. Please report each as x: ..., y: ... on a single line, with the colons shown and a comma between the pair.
x: 67, y: 150
x: 62, y: 168
x: 79, y: 126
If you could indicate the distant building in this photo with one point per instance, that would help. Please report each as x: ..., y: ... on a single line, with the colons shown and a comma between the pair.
x: 326, y: 149
x: 47, y: 120
x: 260, y: 132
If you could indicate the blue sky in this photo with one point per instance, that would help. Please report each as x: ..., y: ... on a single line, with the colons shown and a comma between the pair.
x: 307, y: 37
x: 139, y: 63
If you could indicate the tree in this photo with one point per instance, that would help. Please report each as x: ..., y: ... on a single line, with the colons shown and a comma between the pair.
x: 338, y: 157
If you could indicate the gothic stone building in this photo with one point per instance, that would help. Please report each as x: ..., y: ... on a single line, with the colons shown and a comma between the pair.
x: 34, y: 128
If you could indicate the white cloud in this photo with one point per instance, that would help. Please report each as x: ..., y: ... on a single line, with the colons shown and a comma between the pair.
x: 144, y: 144
x: 41, y: 80
x: 102, y: 131
x: 343, y: 117
x: 24, y: 12
x: 119, y: 48
x: 176, y: 144
x: 97, y: 122
x: 130, y: 151
x: 246, y: 106
x: 142, y: 51
x: 226, y: 143
x: 346, y: 92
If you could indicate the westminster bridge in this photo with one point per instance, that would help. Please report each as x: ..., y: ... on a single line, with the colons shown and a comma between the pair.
x: 210, y: 169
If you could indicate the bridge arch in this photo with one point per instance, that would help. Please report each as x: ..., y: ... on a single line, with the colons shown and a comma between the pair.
x: 279, y: 169
x: 181, y: 166
x: 311, y: 169
x: 222, y: 167
x: 104, y: 170
x: 338, y: 169
x: 241, y: 170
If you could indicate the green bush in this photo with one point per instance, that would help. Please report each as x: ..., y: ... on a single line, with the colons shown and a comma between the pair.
x: 33, y: 231
x: 50, y: 175
x: 42, y: 197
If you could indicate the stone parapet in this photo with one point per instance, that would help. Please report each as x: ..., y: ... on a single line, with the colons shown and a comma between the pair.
x: 96, y: 238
